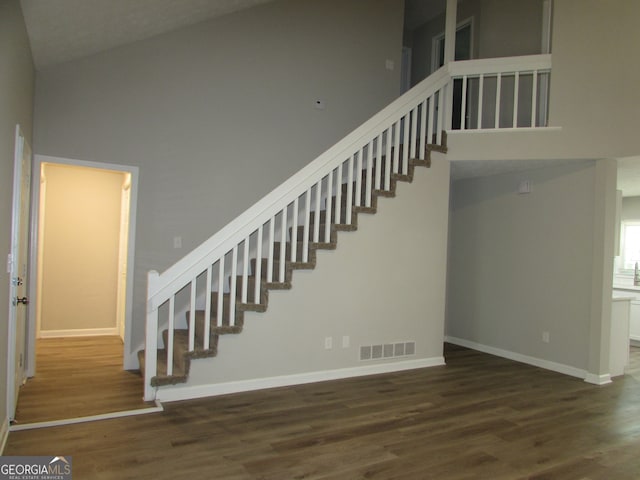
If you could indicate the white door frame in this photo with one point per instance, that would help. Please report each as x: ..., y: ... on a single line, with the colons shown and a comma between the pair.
x: 130, y: 360
x: 20, y: 147
x: 436, y: 39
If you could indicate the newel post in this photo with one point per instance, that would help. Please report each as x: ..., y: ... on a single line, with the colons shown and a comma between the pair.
x: 151, y: 339
x: 449, y: 56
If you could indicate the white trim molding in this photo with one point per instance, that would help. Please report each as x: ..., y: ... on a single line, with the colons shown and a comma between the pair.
x: 4, y: 434
x: 518, y: 357
x: 596, y: 379
x: 173, y: 394
x: 79, y: 332
x: 91, y: 418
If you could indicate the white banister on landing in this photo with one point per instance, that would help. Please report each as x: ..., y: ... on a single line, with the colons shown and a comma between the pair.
x: 494, y: 93
x: 362, y: 163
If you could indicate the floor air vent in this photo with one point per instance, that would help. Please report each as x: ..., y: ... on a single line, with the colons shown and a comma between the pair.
x: 387, y: 350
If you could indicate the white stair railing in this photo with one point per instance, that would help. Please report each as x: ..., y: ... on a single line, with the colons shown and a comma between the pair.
x: 354, y: 168
x: 499, y: 93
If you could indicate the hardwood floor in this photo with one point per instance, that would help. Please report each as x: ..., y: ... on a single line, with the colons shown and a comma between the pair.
x: 634, y: 363
x: 478, y: 417
x: 77, y: 377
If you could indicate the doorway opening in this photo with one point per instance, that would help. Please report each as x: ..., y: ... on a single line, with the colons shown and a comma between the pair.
x: 82, y: 247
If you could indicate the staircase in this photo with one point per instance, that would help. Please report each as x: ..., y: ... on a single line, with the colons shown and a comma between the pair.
x: 206, y: 293
x: 285, y: 258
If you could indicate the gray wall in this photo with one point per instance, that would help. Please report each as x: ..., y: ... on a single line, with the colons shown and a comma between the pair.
x: 16, y: 107
x: 523, y: 264
x: 218, y: 114
x: 507, y: 28
x: 501, y: 28
x: 373, y: 288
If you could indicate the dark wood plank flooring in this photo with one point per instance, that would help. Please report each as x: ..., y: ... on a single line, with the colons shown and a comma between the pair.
x: 78, y: 377
x: 478, y: 417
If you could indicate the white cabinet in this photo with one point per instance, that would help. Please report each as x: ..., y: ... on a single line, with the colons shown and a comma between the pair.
x: 634, y: 322
x: 619, y: 340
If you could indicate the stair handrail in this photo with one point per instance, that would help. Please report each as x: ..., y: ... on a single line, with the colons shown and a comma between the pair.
x: 162, y: 286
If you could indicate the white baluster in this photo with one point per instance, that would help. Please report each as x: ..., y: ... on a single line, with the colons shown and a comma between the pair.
x: 339, y: 194
x: 316, y: 216
x: 534, y: 98
x: 294, y: 232
x: 220, y: 291
x: 423, y: 130
x: 414, y: 130
x: 328, y: 205
x: 272, y: 226
x: 283, y: 243
x: 396, y: 146
x: 258, y: 273
x: 367, y: 197
x: 498, y: 94
x: 387, y: 160
x: 307, y: 220
x: 359, y: 177
x: 441, y: 96
x: 192, y: 315
x: 405, y: 146
x: 377, y: 151
x: 480, y: 95
x: 207, y: 309
x: 169, y: 345
x: 463, y: 113
x: 431, y: 120
x: 516, y: 87
x: 349, y: 190
x: 233, y: 286
x: 245, y: 270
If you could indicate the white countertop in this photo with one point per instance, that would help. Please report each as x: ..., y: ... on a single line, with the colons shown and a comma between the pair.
x: 621, y: 298
x: 628, y: 288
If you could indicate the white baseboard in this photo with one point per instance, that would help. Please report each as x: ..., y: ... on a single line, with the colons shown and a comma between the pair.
x: 518, y: 357
x: 90, y: 418
x: 175, y: 393
x: 4, y: 434
x: 597, y: 379
x: 80, y: 332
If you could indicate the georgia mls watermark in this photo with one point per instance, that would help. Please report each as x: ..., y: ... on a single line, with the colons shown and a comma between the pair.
x: 35, y: 468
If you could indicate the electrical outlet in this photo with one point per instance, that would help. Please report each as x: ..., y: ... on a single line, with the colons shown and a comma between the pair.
x: 328, y: 343
x: 345, y: 341
x: 177, y: 242
x: 545, y: 337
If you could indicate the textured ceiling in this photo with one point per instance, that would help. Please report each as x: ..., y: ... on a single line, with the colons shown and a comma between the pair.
x: 62, y: 30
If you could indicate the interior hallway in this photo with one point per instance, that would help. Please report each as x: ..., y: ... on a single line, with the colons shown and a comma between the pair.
x: 78, y: 377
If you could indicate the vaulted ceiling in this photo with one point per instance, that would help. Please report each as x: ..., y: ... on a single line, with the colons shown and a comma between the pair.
x: 62, y: 30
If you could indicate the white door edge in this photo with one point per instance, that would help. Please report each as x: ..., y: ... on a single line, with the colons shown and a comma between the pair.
x: 19, y: 146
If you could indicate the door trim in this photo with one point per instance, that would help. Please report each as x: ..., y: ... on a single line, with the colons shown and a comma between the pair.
x: 130, y: 360
x: 436, y: 39
x: 19, y: 149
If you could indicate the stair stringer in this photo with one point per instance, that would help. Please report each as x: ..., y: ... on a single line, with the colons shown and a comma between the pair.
x: 384, y: 283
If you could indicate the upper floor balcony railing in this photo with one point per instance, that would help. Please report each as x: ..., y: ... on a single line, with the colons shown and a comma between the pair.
x: 499, y: 93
